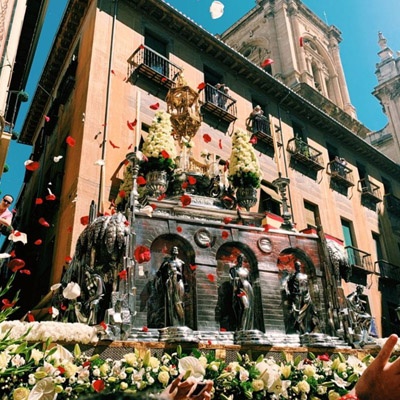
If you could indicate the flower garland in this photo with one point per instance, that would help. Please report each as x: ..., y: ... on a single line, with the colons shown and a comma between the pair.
x: 244, y: 168
x: 159, y: 147
x: 36, y: 371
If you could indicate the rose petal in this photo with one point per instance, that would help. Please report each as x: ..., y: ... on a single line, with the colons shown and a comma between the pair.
x: 70, y: 141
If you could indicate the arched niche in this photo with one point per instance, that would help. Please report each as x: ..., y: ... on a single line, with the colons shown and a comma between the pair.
x: 286, y: 267
x: 160, y: 249
x: 226, y: 258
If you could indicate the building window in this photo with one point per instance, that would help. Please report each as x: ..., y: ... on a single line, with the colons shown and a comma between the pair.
x: 347, y: 229
x: 269, y: 200
x: 311, y: 214
x: 155, y: 43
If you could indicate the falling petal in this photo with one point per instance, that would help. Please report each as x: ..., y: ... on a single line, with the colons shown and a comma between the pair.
x: 50, y: 197
x: 43, y: 222
x: 39, y: 201
x: 85, y: 220
x: 70, y: 141
x: 46, y: 118
x: 17, y: 236
x: 179, y: 229
x: 56, y: 159
x: 68, y: 259
x: 207, y: 138
x: 38, y: 242
x: 216, y: 9
x: 227, y: 220
x: 114, y: 146
x: 4, y: 255
x: 253, y: 140
x: 201, y: 86
x: 211, y: 278
x: 31, y: 165
x: 155, y: 106
x: 225, y: 235
x: 142, y: 254
x: 220, y: 144
x: 16, y: 264
x: 185, y: 200
x: 141, y: 180
x: 99, y: 163
x: 266, y: 62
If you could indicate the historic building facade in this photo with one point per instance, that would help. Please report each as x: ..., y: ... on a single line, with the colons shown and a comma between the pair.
x: 20, y: 27
x: 387, y: 92
x: 112, y: 66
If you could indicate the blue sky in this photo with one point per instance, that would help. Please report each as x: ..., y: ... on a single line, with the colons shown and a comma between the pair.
x: 358, y: 20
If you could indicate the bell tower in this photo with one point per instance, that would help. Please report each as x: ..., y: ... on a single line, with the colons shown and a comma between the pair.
x: 303, y: 51
x: 388, y: 93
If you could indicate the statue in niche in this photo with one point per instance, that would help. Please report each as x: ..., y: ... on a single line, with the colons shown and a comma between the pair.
x: 360, y: 320
x: 301, y: 305
x: 169, y: 283
x: 242, y: 295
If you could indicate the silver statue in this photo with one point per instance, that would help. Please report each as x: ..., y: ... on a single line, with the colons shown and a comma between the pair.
x: 242, y: 296
x: 360, y: 320
x: 302, y: 308
x: 170, y: 281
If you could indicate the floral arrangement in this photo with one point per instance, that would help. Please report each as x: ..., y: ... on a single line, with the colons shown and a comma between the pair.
x: 159, y: 147
x: 126, y: 186
x: 244, y: 168
x: 54, y: 372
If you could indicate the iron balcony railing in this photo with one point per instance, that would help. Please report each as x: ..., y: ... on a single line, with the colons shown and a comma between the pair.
x: 259, y: 126
x: 145, y: 61
x: 340, y: 172
x: 219, y: 103
x: 387, y: 270
x: 306, y: 154
x: 369, y: 190
x: 360, y: 259
x: 392, y: 204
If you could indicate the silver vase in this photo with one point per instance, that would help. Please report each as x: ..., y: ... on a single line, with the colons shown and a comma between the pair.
x: 246, y: 197
x: 156, y: 183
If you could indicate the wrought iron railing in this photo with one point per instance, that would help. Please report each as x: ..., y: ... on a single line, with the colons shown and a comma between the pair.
x: 260, y: 127
x: 304, y: 153
x: 388, y: 270
x: 369, y: 190
x: 340, y: 172
x: 219, y: 103
x: 155, y: 66
x: 359, y: 258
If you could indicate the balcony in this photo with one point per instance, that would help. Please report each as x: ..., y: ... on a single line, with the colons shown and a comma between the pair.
x: 260, y: 128
x: 219, y: 104
x: 360, y: 259
x: 392, y: 204
x: 305, y: 154
x: 340, y: 173
x: 369, y: 191
x: 157, y: 68
x: 388, y: 271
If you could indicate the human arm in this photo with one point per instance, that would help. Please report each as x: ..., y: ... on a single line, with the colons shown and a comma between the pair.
x: 381, y: 380
x: 179, y: 390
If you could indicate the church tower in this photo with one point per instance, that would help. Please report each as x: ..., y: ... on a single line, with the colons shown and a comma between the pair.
x: 387, y: 92
x: 301, y: 50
